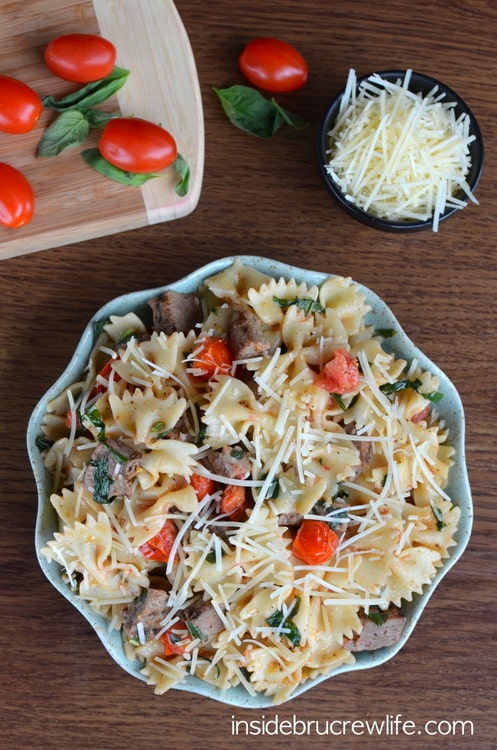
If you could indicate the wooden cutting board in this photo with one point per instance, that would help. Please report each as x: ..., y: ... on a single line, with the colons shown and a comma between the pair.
x: 73, y: 202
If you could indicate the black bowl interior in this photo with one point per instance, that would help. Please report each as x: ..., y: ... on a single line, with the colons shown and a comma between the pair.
x: 419, y: 83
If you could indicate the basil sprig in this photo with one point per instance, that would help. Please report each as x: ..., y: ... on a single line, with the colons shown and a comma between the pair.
x: 248, y: 110
x: 89, y: 95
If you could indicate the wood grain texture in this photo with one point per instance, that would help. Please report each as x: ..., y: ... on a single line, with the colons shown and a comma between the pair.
x: 60, y: 687
x: 73, y: 202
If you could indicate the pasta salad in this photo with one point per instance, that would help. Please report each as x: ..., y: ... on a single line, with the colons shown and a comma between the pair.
x: 248, y: 485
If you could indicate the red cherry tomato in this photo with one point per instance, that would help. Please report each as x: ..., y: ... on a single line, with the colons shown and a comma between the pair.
x: 17, y: 201
x: 20, y: 106
x: 213, y: 357
x: 137, y: 145
x: 80, y: 58
x: 273, y: 65
x: 315, y: 543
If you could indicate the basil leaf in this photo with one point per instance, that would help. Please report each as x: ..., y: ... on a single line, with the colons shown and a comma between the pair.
x: 434, y: 396
x: 194, y: 631
x: 307, y: 304
x: 91, y: 94
x: 94, y: 418
x: 98, y: 327
x: 43, y: 443
x: 68, y: 130
x: 183, y: 170
x: 249, y: 110
x: 340, y: 402
x: 96, y: 118
x: 95, y: 160
x: 385, y: 333
x: 378, y: 616
x: 400, y: 385
x: 295, y: 121
x: 438, y: 517
x: 277, y: 620
x: 102, y: 482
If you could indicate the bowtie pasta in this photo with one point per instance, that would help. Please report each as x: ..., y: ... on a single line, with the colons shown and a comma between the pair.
x: 246, y: 480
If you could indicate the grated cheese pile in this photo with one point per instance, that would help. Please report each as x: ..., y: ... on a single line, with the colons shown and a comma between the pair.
x: 397, y: 154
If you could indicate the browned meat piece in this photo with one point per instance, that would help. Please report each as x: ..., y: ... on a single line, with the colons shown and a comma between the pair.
x: 378, y: 635
x: 150, y: 610
x: 111, y: 470
x: 231, y: 461
x: 246, y: 336
x: 203, y: 621
x: 290, y: 519
x: 175, y: 311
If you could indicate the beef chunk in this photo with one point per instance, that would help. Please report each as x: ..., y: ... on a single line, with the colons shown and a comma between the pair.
x: 111, y: 470
x: 378, y: 635
x: 246, y: 336
x: 175, y: 311
x: 365, y: 448
x: 204, y: 621
x: 290, y: 519
x: 230, y: 461
x: 150, y: 610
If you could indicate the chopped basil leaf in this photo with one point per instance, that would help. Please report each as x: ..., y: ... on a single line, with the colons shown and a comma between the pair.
x: 212, y: 557
x: 438, y: 517
x: 237, y: 453
x: 194, y: 631
x: 94, y: 418
x: 434, y: 396
x: 339, y: 401
x: 400, y: 385
x: 378, y: 616
x: 277, y: 620
x: 43, y: 443
x: 307, y: 304
x: 201, y: 435
x: 102, y: 482
x: 98, y: 327
x: 385, y: 333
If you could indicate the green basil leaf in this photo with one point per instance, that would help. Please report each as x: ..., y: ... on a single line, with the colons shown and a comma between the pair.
x: 249, y: 110
x: 307, y: 304
x: 91, y: 94
x: 183, y: 170
x: 385, y: 333
x: 96, y: 118
x: 400, y: 385
x: 43, y: 443
x: 68, y: 130
x: 434, y: 396
x: 94, y: 417
x: 378, y: 616
x: 95, y: 160
x: 295, y: 121
x: 102, y: 482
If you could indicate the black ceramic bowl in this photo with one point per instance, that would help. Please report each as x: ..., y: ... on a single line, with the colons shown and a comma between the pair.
x: 419, y: 83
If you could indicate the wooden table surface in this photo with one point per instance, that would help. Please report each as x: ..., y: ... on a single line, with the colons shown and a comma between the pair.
x: 60, y: 689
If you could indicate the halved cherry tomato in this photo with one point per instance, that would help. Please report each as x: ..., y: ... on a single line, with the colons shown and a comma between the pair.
x: 273, y: 65
x: 17, y: 202
x: 202, y: 485
x: 137, y: 145
x: 339, y: 375
x: 315, y: 543
x: 212, y: 357
x: 80, y: 58
x: 175, y: 642
x: 104, y: 374
x: 20, y: 106
x: 234, y: 502
x: 159, y: 547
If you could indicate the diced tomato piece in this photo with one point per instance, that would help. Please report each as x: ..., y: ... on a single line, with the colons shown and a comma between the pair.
x: 234, y: 502
x: 104, y: 374
x: 213, y: 357
x: 423, y: 414
x: 315, y: 542
x: 159, y: 547
x: 339, y: 375
x: 175, y: 640
x: 202, y: 485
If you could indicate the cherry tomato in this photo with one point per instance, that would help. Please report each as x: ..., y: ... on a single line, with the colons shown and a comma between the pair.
x: 80, y: 58
x: 213, y: 357
x: 17, y: 201
x: 315, y: 543
x: 273, y: 65
x: 20, y: 106
x: 137, y: 145
x: 202, y: 485
x: 341, y: 374
x: 159, y: 547
x: 234, y: 502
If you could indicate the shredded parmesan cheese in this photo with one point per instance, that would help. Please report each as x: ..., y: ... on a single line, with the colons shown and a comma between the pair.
x: 397, y: 154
